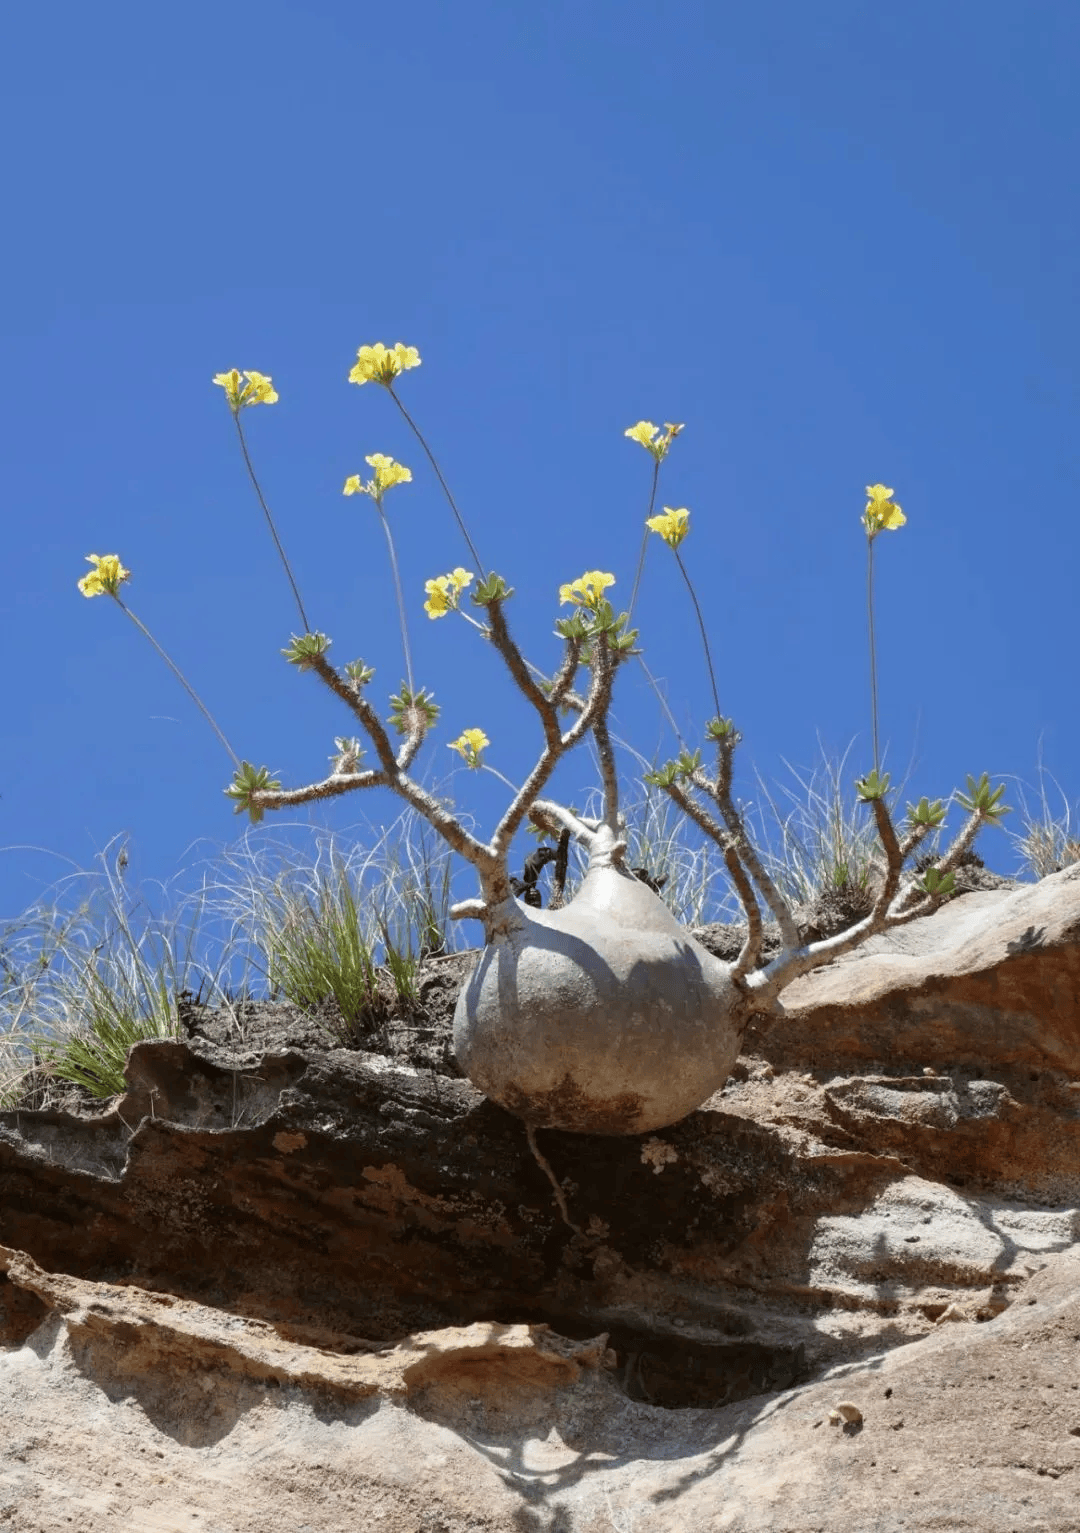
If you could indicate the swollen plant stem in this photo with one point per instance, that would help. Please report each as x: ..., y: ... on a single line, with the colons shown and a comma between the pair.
x: 181, y: 678
x: 644, y: 541
x: 400, y: 597
x: 873, y: 647
x: 704, y: 634
x: 418, y: 434
x: 270, y: 523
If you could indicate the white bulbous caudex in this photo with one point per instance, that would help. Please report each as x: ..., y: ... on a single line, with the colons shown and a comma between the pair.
x: 603, y: 1017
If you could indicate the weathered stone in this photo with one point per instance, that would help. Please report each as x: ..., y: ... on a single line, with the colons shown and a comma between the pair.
x: 890, y: 1163
x: 132, y: 1412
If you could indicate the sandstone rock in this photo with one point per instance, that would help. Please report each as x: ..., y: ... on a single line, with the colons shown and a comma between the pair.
x: 125, y: 1412
x: 891, y: 1171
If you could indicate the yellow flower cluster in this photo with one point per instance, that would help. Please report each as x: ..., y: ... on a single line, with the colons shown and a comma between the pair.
x: 672, y: 525
x: 106, y: 577
x: 387, y: 474
x: 444, y: 592
x: 469, y: 745
x: 258, y: 390
x: 651, y: 439
x: 882, y: 514
x: 588, y: 591
x: 380, y: 364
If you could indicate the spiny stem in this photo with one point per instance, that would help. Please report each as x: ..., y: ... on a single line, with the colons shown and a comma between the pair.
x: 418, y: 434
x: 644, y: 541
x: 400, y: 597
x: 608, y: 773
x: 181, y: 678
x: 704, y: 634
x: 270, y: 522
x: 873, y: 648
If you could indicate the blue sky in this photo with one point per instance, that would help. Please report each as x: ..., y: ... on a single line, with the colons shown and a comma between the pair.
x: 837, y: 241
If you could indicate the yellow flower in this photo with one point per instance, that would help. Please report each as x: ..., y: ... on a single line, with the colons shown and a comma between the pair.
x: 106, y: 576
x: 444, y: 591
x: 258, y: 390
x: 261, y: 390
x: 672, y: 525
x: 650, y: 438
x: 377, y: 364
x: 469, y: 745
x: 387, y: 474
x: 588, y: 591
x: 882, y: 513
x: 644, y: 432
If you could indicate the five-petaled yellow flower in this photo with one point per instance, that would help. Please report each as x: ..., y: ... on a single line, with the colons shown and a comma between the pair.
x: 672, y: 525
x: 258, y: 390
x: 882, y: 513
x: 380, y: 364
x: 650, y: 438
x: 106, y: 577
x: 588, y: 591
x: 387, y: 474
x: 444, y: 592
x: 469, y: 744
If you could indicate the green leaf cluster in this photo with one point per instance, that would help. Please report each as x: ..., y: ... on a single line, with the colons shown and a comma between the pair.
x: 492, y: 588
x: 586, y: 622
x: 408, y: 708
x: 936, y: 883
x: 247, y: 781
x: 684, y: 765
x: 926, y: 813
x: 305, y: 648
x: 359, y: 673
x: 346, y: 757
x: 983, y: 800
x: 873, y: 786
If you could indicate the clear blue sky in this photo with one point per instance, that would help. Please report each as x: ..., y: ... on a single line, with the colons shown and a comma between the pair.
x: 838, y: 241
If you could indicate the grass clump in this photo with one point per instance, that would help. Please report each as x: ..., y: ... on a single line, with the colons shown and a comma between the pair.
x: 1049, y: 838
x: 818, y: 842
x: 83, y: 981
x: 342, y: 928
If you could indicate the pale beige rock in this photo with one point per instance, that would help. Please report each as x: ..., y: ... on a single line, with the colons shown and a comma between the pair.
x: 890, y: 1185
x: 125, y: 1414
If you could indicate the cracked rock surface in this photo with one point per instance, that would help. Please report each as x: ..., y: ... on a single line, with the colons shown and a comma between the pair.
x: 283, y: 1280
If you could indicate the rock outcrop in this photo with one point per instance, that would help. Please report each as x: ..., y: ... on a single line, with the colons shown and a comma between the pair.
x: 268, y: 1257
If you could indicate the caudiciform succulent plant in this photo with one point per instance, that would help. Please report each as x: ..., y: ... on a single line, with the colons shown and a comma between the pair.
x: 604, y: 1015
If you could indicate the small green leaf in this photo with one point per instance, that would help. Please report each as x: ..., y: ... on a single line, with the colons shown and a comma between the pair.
x: 721, y: 729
